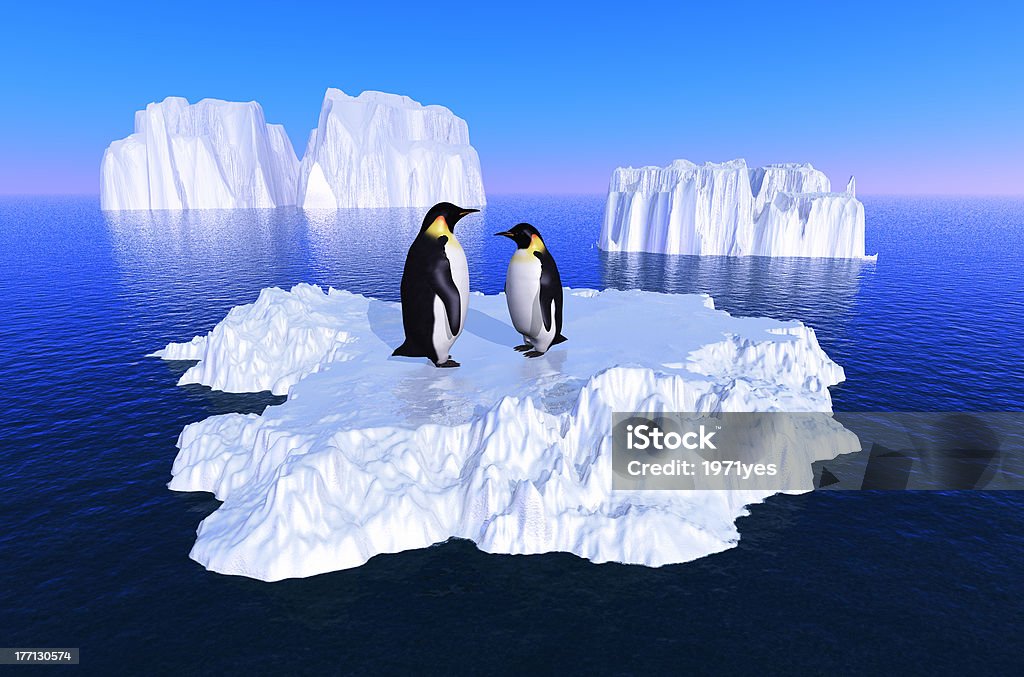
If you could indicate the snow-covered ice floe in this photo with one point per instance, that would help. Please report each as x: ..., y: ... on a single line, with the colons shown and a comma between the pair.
x: 209, y: 155
x: 729, y: 209
x: 373, y: 454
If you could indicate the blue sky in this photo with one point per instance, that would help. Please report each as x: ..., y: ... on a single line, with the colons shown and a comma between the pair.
x: 910, y: 100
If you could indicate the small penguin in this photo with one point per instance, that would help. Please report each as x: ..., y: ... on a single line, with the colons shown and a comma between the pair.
x: 435, y: 287
x: 533, y: 290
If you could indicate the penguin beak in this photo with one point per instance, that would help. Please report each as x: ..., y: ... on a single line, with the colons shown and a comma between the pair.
x: 467, y: 211
x: 505, y: 233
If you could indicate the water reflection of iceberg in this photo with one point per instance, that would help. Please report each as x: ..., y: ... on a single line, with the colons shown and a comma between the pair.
x: 201, y: 250
x: 361, y: 250
x: 811, y: 290
x: 180, y: 271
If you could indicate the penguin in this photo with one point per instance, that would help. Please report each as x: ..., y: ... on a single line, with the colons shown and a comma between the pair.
x: 435, y: 287
x: 533, y: 290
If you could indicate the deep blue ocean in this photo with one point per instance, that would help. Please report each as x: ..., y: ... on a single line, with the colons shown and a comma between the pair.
x: 94, y: 547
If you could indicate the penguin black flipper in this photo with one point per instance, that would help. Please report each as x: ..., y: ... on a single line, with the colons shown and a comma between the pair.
x: 443, y: 284
x: 417, y: 302
x: 550, y: 292
x: 558, y: 317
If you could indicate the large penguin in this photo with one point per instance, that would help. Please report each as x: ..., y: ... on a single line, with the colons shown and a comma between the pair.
x: 435, y: 287
x: 533, y: 290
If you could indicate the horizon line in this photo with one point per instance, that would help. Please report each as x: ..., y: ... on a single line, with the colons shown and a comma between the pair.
x: 542, y: 193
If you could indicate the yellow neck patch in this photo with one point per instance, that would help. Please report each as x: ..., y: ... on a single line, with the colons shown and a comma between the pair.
x: 439, y: 228
x: 536, y: 245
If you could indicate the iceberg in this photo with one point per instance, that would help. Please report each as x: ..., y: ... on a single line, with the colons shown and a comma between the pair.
x: 372, y: 150
x: 813, y: 225
x: 210, y: 155
x: 385, y: 150
x: 372, y: 454
x: 727, y: 209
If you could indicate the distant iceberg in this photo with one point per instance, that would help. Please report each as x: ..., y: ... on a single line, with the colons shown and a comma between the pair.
x: 373, y: 150
x: 209, y: 155
x: 372, y: 454
x: 385, y: 150
x: 729, y: 209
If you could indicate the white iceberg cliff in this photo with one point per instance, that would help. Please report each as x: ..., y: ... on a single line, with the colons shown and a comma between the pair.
x: 372, y: 454
x: 373, y: 150
x: 729, y: 209
x: 209, y: 155
x: 385, y: 150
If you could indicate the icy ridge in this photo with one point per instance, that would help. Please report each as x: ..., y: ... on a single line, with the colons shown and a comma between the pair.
x: 373, y: 455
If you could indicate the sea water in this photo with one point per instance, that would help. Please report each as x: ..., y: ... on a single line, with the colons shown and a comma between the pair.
x: 94, y: 547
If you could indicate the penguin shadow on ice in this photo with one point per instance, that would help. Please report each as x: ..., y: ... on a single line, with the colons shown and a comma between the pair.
x: 490, y: 329
x: 385, y: 320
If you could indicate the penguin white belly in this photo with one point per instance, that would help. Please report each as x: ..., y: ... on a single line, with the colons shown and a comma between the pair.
x: 460, y: 275
x: 442, y: 335
x: 522, y: 293
x: 542, y: 340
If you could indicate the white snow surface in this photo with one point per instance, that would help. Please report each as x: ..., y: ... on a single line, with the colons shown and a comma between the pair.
x: 729, y: 209
x: 385, y: 150
x: 209, y: 155
x: 372, y: 454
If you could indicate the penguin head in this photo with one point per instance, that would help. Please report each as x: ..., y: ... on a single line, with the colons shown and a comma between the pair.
x: 448, y: 212
x: 525, y: 236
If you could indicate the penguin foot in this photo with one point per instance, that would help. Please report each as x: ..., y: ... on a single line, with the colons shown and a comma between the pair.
x: 522, y: 348
x: 447, y: 365
x: 533, y: 353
